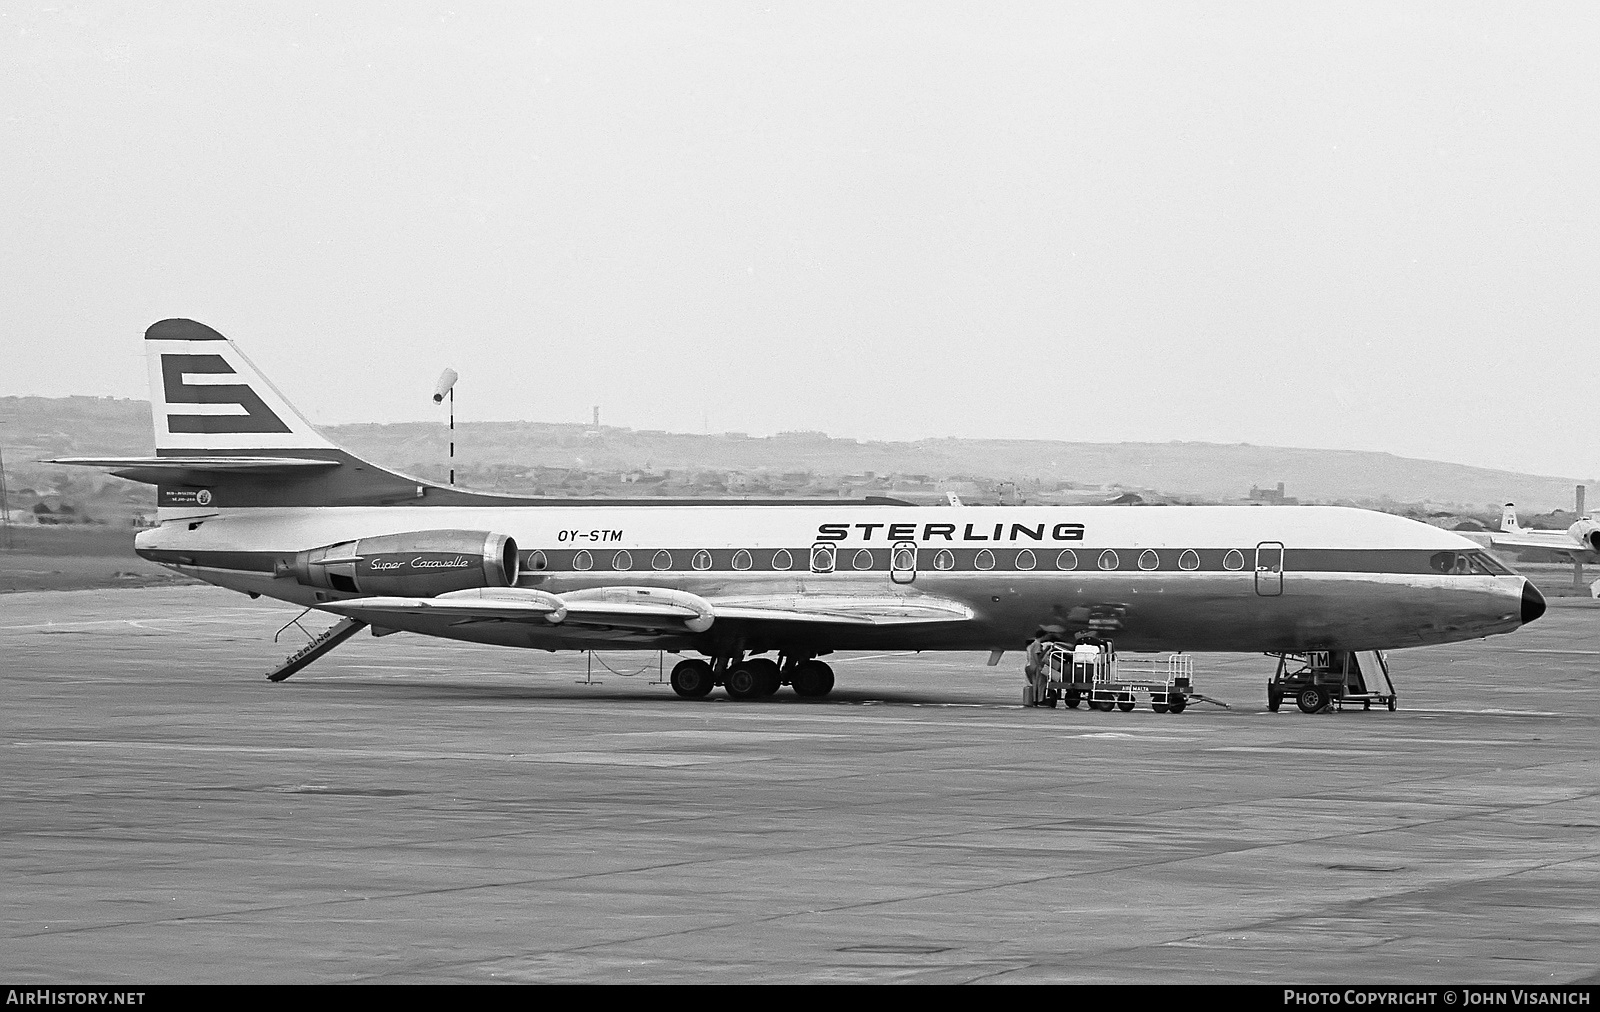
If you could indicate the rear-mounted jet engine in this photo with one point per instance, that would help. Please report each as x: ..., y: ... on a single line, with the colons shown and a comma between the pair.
x: 418, y: 564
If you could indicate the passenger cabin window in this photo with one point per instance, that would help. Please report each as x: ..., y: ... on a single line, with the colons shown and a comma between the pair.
x: 741, y: 560
x: 1068, y: 559
x: 662, y: 560
x: 904, y: 559
x: 781, y: 559
x: 1233, y: 561
x: 1189, y: 561
x: 1025, y: 559
x: 622, y: 560
x: 537, y: 561
x: 1109, y: 560
x: 583, y: 560
x: 862, y: 560
x: 822, y: 557
x: 985, y: 560
x: 945, y: 560
x: 1148, y: 560
x: 701, y: 560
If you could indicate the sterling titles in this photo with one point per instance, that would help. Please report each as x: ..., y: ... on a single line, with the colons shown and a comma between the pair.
x: 1002, y: 532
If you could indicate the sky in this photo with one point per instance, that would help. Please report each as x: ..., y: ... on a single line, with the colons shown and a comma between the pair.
x: 1361, y: 226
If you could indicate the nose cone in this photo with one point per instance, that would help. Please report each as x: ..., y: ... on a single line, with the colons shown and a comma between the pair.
x: 1532, y: 603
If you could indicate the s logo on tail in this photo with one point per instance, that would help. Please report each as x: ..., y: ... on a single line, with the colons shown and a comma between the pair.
x: 257, y: 417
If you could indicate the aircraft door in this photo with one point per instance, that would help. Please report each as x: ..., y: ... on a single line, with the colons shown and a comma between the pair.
x: 1269, y: 568
x: 903, y: 562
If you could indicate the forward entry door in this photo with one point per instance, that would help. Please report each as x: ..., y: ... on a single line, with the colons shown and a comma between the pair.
x: 1269, y: 568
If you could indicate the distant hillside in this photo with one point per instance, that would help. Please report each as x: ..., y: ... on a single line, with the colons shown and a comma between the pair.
x: 556, y: 458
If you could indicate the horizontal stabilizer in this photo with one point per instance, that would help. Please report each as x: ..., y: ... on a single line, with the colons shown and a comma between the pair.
x: 165, y: 470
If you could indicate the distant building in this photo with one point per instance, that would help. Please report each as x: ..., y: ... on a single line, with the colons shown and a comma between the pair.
x: 1272, y: 497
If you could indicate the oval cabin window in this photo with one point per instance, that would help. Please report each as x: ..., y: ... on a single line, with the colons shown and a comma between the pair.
x: 1068, y: 559
x: 663, y: 560
x: 984, y: 560
x: 945, y: 560
x: 741, y: 560
x: 1025, y: 560
x: 1109, y: 560
x: 863, y: 559
x: 822, y: 558
x: 781, y: 559
x: 1148, y: 560
x: 905, y: 560
x: 1233, y: 561
x: 1189, y: 560
x: 701, y: 560
x: 583, y: 560
x: 622, y: 560
x: 537, y: 561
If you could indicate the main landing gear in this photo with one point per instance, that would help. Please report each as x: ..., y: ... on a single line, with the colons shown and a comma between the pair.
x: 755, y: 678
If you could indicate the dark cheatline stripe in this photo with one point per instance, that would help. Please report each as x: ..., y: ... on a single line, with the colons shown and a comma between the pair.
x: 642, y: 561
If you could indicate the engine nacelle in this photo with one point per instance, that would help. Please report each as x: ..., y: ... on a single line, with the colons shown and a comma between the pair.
x: 1587, y: 533
x: 417, y: 564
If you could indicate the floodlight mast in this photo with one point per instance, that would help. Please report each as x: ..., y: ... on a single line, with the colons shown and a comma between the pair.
x: 446, y: 387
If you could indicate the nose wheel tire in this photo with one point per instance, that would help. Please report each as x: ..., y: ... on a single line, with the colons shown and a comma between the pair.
x: 691, y: 679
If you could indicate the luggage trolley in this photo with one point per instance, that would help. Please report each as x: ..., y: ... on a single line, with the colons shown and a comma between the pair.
x: 1091, y: 671
x: 1331, y: 678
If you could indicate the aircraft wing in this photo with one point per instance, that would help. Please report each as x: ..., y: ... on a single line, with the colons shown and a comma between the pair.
x: 656, y: 608
x: 633, y: 608
x: 842, y: 609
x: 1554, y: 543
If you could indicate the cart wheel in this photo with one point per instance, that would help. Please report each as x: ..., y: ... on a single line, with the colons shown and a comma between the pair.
x: 1158, y: 706
x: 1391, y: 704
x: 1125, y: 704
x: 1274, y: 700
x: 1311, y: 699
x: 1177, y: 703
x: 1049, y: 700
x: 1103, y: 705
x: 1366, y: 704
x: 1071, y: 699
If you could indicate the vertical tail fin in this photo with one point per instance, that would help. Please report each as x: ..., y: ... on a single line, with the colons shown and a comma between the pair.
x: 207, y: 398
x: 1508, y: 518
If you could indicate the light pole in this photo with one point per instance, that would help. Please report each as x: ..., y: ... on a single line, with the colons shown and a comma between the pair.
x: 5, y: 503
x: 446, y: 387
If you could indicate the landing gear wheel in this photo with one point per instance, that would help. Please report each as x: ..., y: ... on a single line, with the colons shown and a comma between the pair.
x: 692, y: 679
x: 812, y: 679
x: 1274, y: 700
x: 1311, y: 699
x: 1176, y: 704
x: 1125, y: 704
x: 742, y: 682
x: 769, y: 678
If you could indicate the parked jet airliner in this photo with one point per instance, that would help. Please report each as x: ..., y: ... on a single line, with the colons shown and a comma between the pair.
x: 252, y: 498
x: 1580, y: 542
